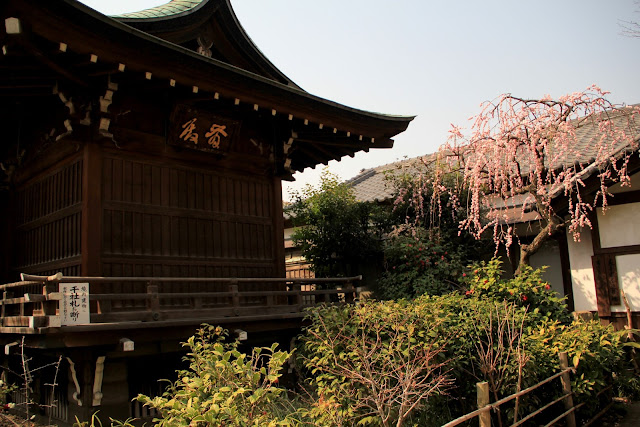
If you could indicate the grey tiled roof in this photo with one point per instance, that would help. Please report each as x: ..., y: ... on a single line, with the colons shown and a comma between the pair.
x: 372, y: 185
x: 174, y: 7
x: 585, y: 150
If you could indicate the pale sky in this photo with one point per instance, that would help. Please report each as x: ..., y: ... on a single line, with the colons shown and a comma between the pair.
x: 436, y: 59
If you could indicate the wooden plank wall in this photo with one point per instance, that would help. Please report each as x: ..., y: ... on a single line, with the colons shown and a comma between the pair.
x: 48, y: 222
x: 175, y: 221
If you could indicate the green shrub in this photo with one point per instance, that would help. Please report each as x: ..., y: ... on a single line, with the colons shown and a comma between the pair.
x: 597, y: 352
x: 527, y: 290
x: 488, y: 333
x: 225, y: 387
x: 95, y: 422
x: 417, y: 265
x: 372, y: 364
x: 352, y: 353
x: 424, y: 250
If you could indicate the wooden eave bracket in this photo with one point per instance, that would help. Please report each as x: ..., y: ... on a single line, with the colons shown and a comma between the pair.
x: 74, y: 377
x: 97, y: 382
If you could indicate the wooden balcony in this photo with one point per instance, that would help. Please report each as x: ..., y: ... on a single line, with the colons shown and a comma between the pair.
x: 34, y: 305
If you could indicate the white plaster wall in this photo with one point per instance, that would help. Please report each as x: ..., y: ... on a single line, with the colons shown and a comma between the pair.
x: 582, y: 282
x: 288, y: 232
x: 549, y: 255
x: 629, y: 280
x: 619, y: 225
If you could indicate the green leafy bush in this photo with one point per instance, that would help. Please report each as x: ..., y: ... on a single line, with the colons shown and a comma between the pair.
x: 597, y: 352
x: 424, y: 252
x: 418, y: 265
x: 527, y: 290
x: 225, y: 387
x: 488, y: 333
x: 373, y: 364
x: 352, y: 354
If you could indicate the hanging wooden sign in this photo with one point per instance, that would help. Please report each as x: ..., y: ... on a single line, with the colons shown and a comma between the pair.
x: 201, y: 130
x: 74, y: 306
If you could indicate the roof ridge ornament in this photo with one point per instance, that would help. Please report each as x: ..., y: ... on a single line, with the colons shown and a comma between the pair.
x: 204, y: 45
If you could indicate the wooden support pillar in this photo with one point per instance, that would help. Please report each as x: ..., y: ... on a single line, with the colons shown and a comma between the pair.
x: 91, y: 241
x: 83, y: 368
x: 299, y: 300
x: 7, y: 225
x: 349, y: 293
x: 278, y: 229
x: 565, y: 264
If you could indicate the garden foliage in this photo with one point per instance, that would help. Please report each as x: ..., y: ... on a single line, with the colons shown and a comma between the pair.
x: 372, y: 364
x: 406, y: 362
x: 224, y: 386
x: 335, y: 232
x: 507, y: 332
x: 424, y: 252
x: 417, y: 265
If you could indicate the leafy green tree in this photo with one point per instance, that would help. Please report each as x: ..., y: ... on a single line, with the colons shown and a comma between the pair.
x: 335, y: 232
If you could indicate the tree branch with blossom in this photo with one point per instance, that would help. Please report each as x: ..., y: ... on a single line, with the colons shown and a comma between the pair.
x: 527, y: 153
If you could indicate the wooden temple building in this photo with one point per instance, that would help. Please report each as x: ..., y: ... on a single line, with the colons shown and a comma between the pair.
x: 142, y: 158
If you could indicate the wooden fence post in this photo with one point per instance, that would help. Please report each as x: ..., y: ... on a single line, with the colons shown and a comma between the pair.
x: 482, y: 391
x: 566, y: 389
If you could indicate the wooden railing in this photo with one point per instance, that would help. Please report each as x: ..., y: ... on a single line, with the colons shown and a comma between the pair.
x: 33, y: 305
x: 483, y: 413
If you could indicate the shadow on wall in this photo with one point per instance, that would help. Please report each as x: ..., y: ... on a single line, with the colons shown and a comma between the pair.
x: 629, y: 280
x: 583, y: 284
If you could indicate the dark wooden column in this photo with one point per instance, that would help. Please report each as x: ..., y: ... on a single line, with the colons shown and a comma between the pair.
x: 565, y: 264
x: 91, y: 241
x: 6, y: 229
x: 278, y: 228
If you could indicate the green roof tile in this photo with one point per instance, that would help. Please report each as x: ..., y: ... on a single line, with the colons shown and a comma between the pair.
x: 174, y: 7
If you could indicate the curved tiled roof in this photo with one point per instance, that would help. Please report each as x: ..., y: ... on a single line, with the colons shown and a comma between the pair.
x: 171, y: 9
x: 375, y: 184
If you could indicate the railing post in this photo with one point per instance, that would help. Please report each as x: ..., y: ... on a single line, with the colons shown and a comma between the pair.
x: 153, y: 300
x: 566, y: 389
x: 299, y: 298
x: 482, y: 392
x: 270, y: 300
x: 4, y: 297
x: 327, y: 298
x: 235, y: 298
x: 349, y: 291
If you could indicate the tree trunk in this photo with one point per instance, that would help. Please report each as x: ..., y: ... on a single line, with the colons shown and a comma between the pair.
x: 554, y: 224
